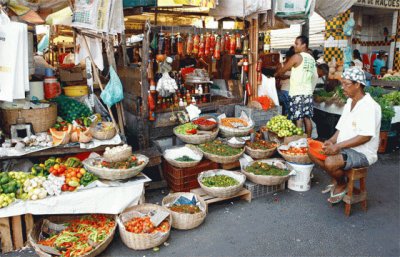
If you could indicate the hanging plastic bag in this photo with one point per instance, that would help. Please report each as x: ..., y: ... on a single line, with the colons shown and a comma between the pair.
x: 113, y: 93
x: 348, y: 57
x: 348, y: 27
x: 268, y: 88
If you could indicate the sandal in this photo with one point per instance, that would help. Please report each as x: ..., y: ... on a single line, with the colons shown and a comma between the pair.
x: 328, y: 188
x: 338, y: 197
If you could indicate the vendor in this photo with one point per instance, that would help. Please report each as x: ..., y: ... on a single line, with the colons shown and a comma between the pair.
x: 323, y: 72
x: 283, y: 90
x: 379, y: 63
x: 355, y: 143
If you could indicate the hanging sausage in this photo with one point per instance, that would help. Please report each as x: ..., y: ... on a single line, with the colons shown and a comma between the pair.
x: 179, y: 41
x: 227, y: 42
x: 196, y: 44
x: 189, y: 44
x: 212, y: 43
x: 217, y: 51
x: 201, y: 46
x: 232, y: 46
x: 207, y: 45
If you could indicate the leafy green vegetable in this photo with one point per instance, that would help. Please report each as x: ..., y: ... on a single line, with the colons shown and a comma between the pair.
x: 374, y: 91
x: 185, y: 127
x: 184, y: 158
x: 219, y: 181
x: 393, y: 98
x: 218, y: 148
x: 260, y: 168
x: 386, y: 108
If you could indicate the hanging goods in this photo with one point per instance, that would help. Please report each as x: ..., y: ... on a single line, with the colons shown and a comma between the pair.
x: 245, y: 64
x: 201, y: 46
x: 232, y: 45
x: 196, y: 44
x: 179, y: 40
x: 207, y: 45
x: 217, y: 51
x: 189, y: 44
x: 113, y: 93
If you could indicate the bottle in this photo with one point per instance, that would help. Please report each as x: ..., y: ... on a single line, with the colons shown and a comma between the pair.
x: 181, y: 104
x: 173, y: 44
x: 238, y: 48
x: 245, y: 64
x: 227, y: 42
x: 200, y: 90
x: 245, y: 45
x: 260, y: 42
x: 187, y: 96
x: 196, y: 90
x: 161, y: 43
x: 176, y: 100
x: 167, y: 45
x: 193, y: 101
x: 184, y: 102
x: 206, y: 89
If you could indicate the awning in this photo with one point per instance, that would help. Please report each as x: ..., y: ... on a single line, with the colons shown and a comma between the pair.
x: 328, y: 9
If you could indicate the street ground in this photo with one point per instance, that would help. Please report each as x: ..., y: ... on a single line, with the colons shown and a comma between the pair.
x: 290, y: 223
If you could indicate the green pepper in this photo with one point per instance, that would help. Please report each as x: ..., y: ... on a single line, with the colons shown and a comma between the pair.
x: 4, y: 179
x: 87, y: 178
x: 10, y: 187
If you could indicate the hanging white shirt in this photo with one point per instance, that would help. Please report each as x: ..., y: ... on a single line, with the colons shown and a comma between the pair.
x: 363, y: 120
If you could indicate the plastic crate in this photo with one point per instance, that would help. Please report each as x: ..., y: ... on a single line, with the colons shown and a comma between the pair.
x: 184, y: 179
x: 261, y: 190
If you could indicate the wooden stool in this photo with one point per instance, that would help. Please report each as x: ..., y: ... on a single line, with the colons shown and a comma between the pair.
x: 354, y: 194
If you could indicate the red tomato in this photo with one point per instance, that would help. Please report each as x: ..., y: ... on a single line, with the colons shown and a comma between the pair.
x: 71, y: 189
x: 64, y: 187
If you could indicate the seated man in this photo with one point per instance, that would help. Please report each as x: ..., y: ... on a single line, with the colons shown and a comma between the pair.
x: 355, y: 143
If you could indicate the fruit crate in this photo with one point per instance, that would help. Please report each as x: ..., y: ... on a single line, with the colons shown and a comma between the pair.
x: 261, y: 190
x: 184, y: 179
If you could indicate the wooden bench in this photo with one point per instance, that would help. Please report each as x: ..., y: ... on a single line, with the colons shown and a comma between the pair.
x: 12, y: 230
x: 356, y: 195
x: 244, y: 194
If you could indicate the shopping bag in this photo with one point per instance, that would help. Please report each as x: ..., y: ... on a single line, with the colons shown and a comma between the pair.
x: 113, y: 93
x: 268, y: 88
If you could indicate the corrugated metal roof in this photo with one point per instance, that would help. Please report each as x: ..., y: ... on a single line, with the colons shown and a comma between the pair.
x: 284, y: 38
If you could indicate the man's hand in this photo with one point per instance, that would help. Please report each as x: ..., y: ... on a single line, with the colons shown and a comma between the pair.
x: 330, y: 148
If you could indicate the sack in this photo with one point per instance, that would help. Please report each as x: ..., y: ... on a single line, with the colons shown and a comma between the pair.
x: 268, y: 88
x: 113, y: 93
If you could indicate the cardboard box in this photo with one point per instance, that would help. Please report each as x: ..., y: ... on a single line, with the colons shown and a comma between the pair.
x: 74, y: 74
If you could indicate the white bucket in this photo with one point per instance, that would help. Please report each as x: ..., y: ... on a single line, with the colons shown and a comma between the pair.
x: 302, y: 180
x: 36, y: 90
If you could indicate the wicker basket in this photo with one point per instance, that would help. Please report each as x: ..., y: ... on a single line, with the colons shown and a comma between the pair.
x: 185, y: 221
x: 235, y: 132
x: 41, y: 118
x: 33, y: 236
x: 115, y: 174
x: 104, y: 135
x: 222, y: 192
x: 208, y: 128
x: 263, y: 179
x: 142, y: 241
x: 222, y: 159
x: 302, y: 159
x: 198, y: 138
x: 260, y: 154
x: 179, y: 164
x: 118, y: 157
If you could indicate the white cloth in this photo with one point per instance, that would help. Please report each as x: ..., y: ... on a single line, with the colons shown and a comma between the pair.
x: 95, y: 49
x: 363, y: 120
x: 358, y: 63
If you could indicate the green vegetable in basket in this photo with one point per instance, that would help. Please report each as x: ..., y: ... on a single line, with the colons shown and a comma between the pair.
x: 393, y: 98
x: 183, y: 129
x: 218, y: 148
x: 219, y: 181
x: 265, y: 169
x: 184, y: 158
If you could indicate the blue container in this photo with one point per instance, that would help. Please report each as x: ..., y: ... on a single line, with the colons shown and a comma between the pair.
x: 136, y: 3
x: 48, y: 72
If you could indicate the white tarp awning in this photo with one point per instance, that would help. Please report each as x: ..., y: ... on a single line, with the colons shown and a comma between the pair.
x: 239, y: 8
x: 328, y: 9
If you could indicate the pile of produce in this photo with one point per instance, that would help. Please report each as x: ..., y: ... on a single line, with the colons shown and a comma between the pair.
x: 6, y: 199
x: 265, y: 101
x: 393, y: 98
x: 261, y: 145
x: 234, y: 123
x: 219, y: 181
x: 70, y: 109
x: 122, y: 165
x: 33, y: 189
x: 8, y: 185
x: 218, y: 148
x: 43, y: 169
x: 185, y: 208
x: 139, y: 225
x: 261, y: 168
x: 185, y: 158
x: 80, y: 235
x: 283, y: 127
x: 391, y: 76
x: 63, y: 132
x: 295, y: 151
x: 187, y: 129
x: 204, y: 122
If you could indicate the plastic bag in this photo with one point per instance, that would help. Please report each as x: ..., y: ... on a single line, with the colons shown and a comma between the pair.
x: 348, y: 27
x: 268, y: 88
x: 113, y: 93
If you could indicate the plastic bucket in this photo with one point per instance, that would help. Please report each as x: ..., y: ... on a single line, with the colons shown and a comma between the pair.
x: 302, y: 181
x: 51, y: 87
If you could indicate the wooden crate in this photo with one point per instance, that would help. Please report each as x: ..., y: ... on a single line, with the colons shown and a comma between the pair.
x: 12, y: 230
x: 244, y: 194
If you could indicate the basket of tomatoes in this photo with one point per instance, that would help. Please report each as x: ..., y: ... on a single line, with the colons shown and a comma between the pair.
x: 138, y: 232
x: 295, y: 154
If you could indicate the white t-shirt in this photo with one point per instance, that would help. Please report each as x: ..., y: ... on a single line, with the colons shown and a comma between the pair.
x: 363, y: 120
x: 358, y: 63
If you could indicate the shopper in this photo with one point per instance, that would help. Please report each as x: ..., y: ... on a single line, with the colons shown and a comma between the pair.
x: 357, y: 59
x: 355, y: 143
x: 283, y: 91
x: 379, y: 63
x: 302, y: 81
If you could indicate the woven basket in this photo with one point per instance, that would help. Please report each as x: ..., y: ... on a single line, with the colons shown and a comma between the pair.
x: 33, y: 236
x: 305, y: 159
x: 265, y: 180
x: 142, y: 241
x: 260, y: 154
x: 179, y: 164
x: 41, y: 118
x: 115, y: 174
x: 222, y: 159
x: 198, y: 138
x: 104, y: 135
x: 235, y: 132
x: 222, y: 192
x: 118, y: 157
x: 186, y: 221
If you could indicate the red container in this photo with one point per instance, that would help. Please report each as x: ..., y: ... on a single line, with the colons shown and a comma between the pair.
x: 52, y: 87
x: 185, y: 179
x: 315, y: 148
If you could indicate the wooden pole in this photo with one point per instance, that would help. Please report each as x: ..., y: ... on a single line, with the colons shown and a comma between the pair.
x: 96, y: 75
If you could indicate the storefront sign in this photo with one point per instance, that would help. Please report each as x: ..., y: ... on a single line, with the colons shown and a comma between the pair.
x: 387, y: 4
